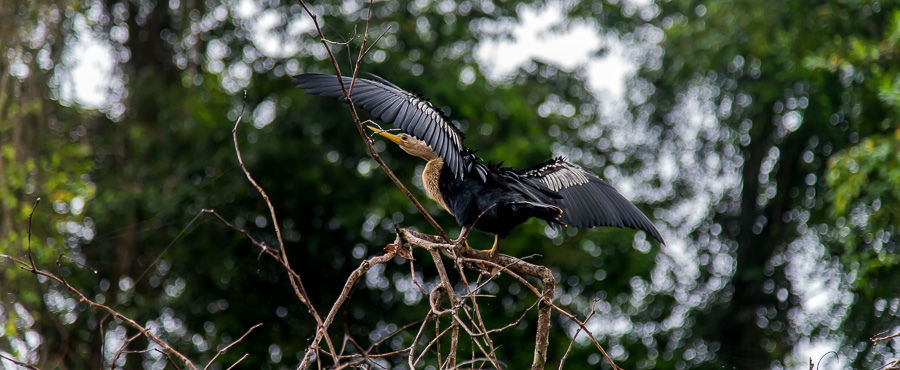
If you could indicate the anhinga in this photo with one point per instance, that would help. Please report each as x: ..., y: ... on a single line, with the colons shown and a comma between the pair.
x: 490, y: 198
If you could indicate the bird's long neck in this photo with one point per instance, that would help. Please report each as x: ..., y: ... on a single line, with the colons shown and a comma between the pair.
x: 431, y: 177
x: 428, y: 155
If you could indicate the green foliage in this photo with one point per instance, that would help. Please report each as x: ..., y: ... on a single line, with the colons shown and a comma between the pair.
x: 864, y: 181
x: 865, y: 174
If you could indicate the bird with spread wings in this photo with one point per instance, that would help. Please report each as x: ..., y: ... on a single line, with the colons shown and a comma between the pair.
x: 491, y: 198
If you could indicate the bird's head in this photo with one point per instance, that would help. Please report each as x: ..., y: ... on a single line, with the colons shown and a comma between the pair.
x: 409, y: 144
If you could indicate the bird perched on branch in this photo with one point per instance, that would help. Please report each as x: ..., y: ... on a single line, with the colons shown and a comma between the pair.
x: 491, y: 198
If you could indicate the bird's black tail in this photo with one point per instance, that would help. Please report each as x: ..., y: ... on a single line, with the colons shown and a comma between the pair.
x: 546, y: 212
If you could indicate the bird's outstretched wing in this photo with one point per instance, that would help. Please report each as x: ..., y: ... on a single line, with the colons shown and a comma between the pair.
x: 409, y: 112
x: 586, y: 200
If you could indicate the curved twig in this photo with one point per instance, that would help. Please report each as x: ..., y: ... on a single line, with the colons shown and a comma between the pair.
x: 294, y: 278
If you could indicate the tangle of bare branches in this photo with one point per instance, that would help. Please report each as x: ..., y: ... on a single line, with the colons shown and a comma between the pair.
x: 28, y: 264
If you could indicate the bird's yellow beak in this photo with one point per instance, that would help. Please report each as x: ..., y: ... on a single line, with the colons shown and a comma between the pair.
x: 389, y: 136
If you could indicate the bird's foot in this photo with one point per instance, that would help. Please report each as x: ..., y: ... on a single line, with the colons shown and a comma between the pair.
x: 469, y: 251
x: 493, y: 250
x: 492, y: 253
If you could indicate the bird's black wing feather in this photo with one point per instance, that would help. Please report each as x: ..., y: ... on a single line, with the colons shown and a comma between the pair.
x: 586, y: 200
x: 408, y: 112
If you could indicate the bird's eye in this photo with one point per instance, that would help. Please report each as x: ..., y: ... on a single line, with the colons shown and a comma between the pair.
x: 403, y: 137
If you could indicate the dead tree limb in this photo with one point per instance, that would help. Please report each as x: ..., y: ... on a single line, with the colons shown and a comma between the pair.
x: 502, y: 261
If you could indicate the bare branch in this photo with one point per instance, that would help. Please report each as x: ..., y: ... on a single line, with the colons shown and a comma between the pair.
x: 513, y: 266
x: 893, y: 365
x: 345, y: 294
x: 454, y: 301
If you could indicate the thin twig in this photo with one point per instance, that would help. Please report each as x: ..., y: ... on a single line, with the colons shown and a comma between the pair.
x: 591, y: 335
x: 19, y: 363
x: 365, y: 354
x: 294, y: 278
x: 112, y: 364
x: 424, y: 350
x: 517, y: 321
x: 415, y: 342
x: 238, y: 361
x: 473, y: 361
x: 378, y: 38
x: 574, y: 337
x: 882, y: 339
x: 392, y: 334
x: 221, y: 351
x: 480, y: 322
x: 170, y: 360
x: 376, y: 355
x: 380, y: 341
